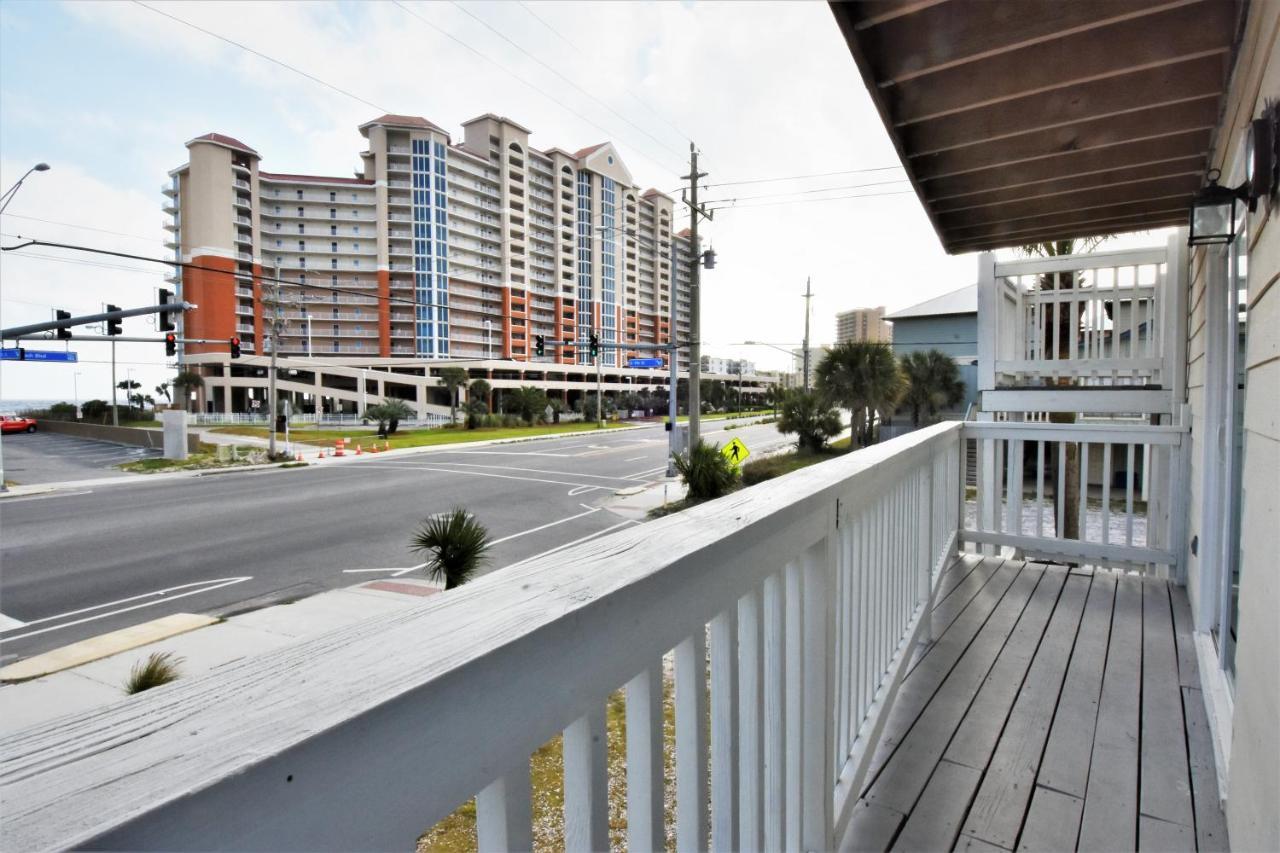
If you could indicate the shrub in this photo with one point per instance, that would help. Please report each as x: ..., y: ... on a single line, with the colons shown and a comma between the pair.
x: 159, y: 668
x: 706, y: 473
x: 457, y: 545
x: 810, y: 418
x: 388, y: 414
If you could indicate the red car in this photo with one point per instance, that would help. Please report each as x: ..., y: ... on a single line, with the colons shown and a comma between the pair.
x: 16, y: 423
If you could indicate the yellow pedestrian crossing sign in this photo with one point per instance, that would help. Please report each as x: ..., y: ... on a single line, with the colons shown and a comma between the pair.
x: 735, y: 451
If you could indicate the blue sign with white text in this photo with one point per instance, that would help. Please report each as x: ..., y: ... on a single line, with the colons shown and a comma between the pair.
x: 24, y: 354
x: 644, y: 362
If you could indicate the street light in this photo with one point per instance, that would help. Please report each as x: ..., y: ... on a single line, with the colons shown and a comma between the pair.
x: 13, y: 190
x: 4, y: 202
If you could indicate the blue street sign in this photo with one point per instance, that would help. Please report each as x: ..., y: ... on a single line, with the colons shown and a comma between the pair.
x: 644, y: 362
x: 24, y: 354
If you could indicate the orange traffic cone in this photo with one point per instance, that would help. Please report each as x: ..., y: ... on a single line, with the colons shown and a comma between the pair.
x: 387, y: 445
x: 358, y: 450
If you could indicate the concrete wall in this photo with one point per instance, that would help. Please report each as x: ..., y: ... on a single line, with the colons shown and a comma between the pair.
x: 1253, y: 785
x: 116, y: 435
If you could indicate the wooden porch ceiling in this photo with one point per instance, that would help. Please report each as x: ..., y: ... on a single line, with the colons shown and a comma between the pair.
x: 1026, y: 120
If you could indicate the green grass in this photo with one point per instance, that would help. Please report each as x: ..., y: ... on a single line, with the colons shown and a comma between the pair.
x: 785, y: 463
x: 159, y: 668
x: 416, y: 437
x: 457, y: 832
x: 205, y: 457
x: 723, y: 416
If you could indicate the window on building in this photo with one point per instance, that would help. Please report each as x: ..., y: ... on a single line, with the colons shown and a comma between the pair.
x: 333, y: 229
x: 333, y: 247
x: 355, y: 247
x: 302, y: 262
x: 277, y: 212
x: 355, y: 197
x: 356, y: 262
x: 302, y: 245
x: 335, y: 279
x: 333, y: 263
x: 333, y: 196
x: 355, y: 229
x: 300, y: 212
x: 280, y: 244
x: 333, y: 213
x: 302, y: 229
x: 299, y: 195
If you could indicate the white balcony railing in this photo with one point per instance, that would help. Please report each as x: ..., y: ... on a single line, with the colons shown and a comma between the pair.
x: 1094, y: 319
x: 805, y: 597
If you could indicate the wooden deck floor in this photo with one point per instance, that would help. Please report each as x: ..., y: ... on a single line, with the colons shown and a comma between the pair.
x: 1057, y: 710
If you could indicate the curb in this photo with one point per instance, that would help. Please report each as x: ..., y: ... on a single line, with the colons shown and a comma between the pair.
x: 104, y: 645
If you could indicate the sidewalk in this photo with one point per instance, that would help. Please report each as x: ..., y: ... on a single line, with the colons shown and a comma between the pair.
x: 100, y: 681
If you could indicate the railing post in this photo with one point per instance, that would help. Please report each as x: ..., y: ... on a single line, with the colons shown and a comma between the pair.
x: 989, y: 304
x: 927, y: 537
x: 504, y: 814
x: 817, y: 741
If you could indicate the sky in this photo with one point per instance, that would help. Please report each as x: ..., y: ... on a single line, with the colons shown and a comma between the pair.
x: 108, y: 92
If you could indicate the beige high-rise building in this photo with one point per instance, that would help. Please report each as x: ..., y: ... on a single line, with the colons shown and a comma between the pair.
x: 863, y: 324
x: 435, y: 249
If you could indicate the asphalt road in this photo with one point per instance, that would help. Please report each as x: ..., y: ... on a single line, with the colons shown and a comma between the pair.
x: 46, y: 457
x: 75, y: 565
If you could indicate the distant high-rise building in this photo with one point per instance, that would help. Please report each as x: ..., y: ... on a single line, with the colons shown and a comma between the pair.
x: 433, y: 250
x: 863, y: 324
x: 815, y: 356
x: 728, y: 366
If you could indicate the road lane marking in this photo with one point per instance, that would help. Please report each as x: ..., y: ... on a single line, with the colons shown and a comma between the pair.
x: 395, y: 573
x: 633, y: 459
x: 444, y: 470
x: 160, y: 596
x: 8, y: 623
x: 580, y: 490
x: 506, y: 468
x: 643, y: 473
x: 589, y: 536
x: 544, y: 526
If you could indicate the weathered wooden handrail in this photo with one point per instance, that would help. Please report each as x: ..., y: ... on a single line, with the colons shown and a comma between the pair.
x: 812, y: 591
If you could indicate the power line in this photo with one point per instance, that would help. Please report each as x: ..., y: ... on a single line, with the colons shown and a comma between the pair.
x: 188, y: 265
x: 84, y: 227
x: 507, y: 71
x: 801, y: 177
x: 602, y: 103
x: 813, y: 200
x: 807, y: 192
x: 262, y: 55
x: 630, y: 92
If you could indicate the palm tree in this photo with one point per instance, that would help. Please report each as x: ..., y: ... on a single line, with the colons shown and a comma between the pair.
x: 933, y: 383
x: 457, y: 545
x: 776, y: 395
x: 185, y: 382
x: 864, y: 378
x: 529, y: 402
x: 163, y: 388
x: 388, y: 414
x: 453, y: 379
x: 810, y: 417
x: 478, y: 391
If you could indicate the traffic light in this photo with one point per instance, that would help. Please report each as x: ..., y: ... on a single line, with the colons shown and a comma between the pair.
x: 64, y: 334
x: 235, y: 346
x: 113, y: 323
x: 166, y: 319
x: 171, y: 344
x: 539, y: 345
x: 595, y: 345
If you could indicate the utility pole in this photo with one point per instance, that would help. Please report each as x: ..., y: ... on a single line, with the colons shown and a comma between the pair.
x: 273, y: 302
x: 115, y: 415
x: 673, y: 408
x: 808, y: 294
x: 599, y: 397
x: 695, y: 312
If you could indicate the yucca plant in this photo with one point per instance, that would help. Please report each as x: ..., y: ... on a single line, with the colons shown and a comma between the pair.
x: 456, y: 543
x: 706, y: 473
x: 159, y: 668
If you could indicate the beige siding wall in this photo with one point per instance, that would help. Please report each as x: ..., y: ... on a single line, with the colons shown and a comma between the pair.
x: 1253, y: 788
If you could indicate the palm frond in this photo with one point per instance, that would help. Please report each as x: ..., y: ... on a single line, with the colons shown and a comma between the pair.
x: 456, y: 543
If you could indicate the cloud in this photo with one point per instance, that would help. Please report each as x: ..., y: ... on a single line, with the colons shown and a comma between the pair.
x: 764, y: 89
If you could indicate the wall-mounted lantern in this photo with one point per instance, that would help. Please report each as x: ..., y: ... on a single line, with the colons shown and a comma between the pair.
x: 1213, y: 211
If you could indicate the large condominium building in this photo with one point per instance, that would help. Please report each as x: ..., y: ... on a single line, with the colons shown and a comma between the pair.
x: 433, y: 250
x: 863, y: 324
